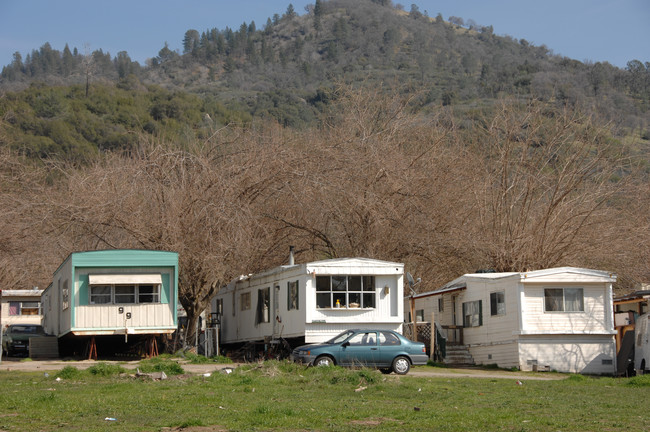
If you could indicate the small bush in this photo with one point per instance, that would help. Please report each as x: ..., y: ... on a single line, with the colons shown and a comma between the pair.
x: 196, y: 358
x: 106, y: 369
x: 159, y: 364
x: 577, y: 378
x: 68, y: 372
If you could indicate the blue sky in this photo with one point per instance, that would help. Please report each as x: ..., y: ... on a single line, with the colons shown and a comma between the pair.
x: 595, y: 30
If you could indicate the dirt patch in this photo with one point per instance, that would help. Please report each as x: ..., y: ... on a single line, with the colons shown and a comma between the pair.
x: 196, y: 429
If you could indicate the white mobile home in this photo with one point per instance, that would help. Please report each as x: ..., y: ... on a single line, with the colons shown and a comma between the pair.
x: 21, y: 307
x: 113, y: 292
x: 312, y: 302
x: 558, y: 319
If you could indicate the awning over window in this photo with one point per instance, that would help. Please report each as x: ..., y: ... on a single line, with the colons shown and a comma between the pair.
x: 125, y: 279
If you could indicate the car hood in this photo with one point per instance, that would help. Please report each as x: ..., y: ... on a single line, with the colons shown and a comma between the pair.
x: 313, y: 346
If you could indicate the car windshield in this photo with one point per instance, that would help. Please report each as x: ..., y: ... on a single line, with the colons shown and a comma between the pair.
x: 25, y: 329
x: 340, y: 337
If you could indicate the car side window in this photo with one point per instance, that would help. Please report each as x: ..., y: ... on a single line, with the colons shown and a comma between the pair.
x: 387, y: 338
x: 363, y: 339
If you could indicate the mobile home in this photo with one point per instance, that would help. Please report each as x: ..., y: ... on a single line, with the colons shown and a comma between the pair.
x: 554, y: 319
x: 113, y: 292
x: 312, y: 302
x: 22, y: 306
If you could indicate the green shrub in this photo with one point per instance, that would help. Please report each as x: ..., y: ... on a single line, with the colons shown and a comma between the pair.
x: 577, y: 378
x: 106, y: 369
x: 639, y: 381
x: 160, y: 364
x: 68, y: 372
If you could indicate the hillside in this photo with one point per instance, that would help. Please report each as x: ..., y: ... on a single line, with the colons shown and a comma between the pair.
x: 285, y: 69
x: 356, y: 129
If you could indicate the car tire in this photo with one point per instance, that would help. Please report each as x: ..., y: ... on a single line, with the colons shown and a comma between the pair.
x: 324, y: 360
x: 401, y: 365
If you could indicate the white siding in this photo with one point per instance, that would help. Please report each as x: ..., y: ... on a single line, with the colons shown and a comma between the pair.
x: 592, y: 320
x: 574, y: 354
x: 308, y: 321
x: 502, y: 354
x: 320, y: 332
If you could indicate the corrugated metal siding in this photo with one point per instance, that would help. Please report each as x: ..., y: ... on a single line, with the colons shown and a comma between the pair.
x: 108, y: 316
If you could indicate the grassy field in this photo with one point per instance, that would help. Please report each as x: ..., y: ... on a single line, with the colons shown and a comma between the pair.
x: 283, y: 396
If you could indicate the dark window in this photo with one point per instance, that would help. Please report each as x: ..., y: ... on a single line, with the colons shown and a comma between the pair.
x: 148, y: 294
x: 292, y: 295
x: 564, y: 300
x: 497, y: 303
x: 263, y: 303
x: 473, y: 314
x: 345, y: 291
x: 125, y: 294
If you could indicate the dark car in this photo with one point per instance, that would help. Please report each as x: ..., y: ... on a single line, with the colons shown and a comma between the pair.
x: 16, y: 337
x: 383, y: 349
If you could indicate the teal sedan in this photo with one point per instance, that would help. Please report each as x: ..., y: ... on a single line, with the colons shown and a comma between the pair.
x: 383, y: 349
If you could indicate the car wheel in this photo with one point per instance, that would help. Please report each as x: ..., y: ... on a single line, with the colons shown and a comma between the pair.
x: 324, y: 360
x: 401, y: 365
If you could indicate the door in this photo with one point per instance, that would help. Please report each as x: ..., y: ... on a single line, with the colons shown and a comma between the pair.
x: 389, y: 347
x: 360, y: 350
x: 453, y: 309
x: 275, y: 315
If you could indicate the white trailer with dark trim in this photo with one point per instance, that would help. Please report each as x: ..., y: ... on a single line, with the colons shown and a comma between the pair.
x: 311, y: 302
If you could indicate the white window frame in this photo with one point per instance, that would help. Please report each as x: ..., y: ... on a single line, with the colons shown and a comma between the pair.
x: 21, y: 306
x: 330, y: 288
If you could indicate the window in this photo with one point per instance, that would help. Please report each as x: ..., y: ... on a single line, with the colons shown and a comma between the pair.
x: 345, y: 291
x: 100, y: 294
x: 441, y: 304
x: 65, y: 295
x: 564, y: 300
x: 419, y: 315
x: 245, y: 301
x: 124, y: 294
x: 363, y: 339
x: 148, y: 294
x: 24, y: 308
x: 292, y: 295
x: 473, y: 314
x: 263, y: 303
x: 497, y: 303
x: 388, y: 338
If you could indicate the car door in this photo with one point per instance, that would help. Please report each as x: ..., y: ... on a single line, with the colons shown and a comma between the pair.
x: 389, y: 347
x: 360, y: 350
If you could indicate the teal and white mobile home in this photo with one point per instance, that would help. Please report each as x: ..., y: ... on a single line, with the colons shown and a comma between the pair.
x: 113, y: 292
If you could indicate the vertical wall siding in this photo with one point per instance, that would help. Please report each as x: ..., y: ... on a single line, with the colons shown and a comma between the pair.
x: 108, y: 316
